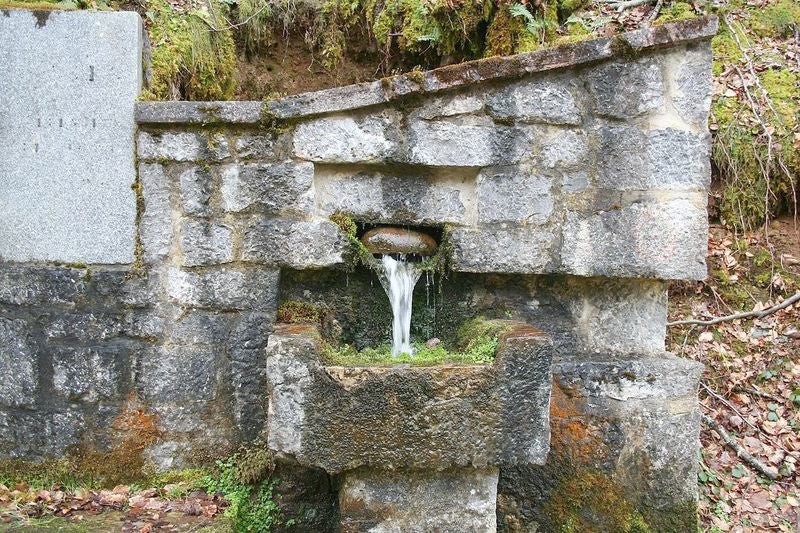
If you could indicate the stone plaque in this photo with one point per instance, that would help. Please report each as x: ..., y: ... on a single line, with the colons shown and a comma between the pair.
x: 68, y: 85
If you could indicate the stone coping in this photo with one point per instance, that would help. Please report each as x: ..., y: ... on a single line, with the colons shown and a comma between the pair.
x: 360, y: 95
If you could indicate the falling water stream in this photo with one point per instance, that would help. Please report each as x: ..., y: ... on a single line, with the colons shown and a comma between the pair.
x: 398, y: 278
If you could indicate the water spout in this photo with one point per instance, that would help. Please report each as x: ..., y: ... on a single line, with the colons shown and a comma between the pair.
x: 399, y: 277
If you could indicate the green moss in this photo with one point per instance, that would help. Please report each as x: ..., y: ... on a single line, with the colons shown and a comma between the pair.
x: 271, y: 122
x: 588, y: 501
x: 476, y: 343
x: 674, y: 12
x: 777, y: 20
x: 190, y: 58
x: 295, y: 312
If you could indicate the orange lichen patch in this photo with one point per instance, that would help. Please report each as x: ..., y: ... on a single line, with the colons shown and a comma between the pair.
x: 572, y: 435
x: 131, y: 433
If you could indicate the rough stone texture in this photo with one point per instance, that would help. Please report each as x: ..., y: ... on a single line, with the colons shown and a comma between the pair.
x: 691, y: 93
x: 469, y: 144
x: 66, y: 128
x: 497, y: 249
x: 341, y: 418
x: 627, y: 430
x: 279, y: 187
x: 18, y: 368
x: 513, y: 195
x: 660, y: 159
x: 206, y: 243
x: 224, y: 288
x: 292, y: 243
x: 196, y: 189
x: 155, y: 225
x: 421, y: 197
x: 452, y: 501
x: 551, y: 101
x: 347, y: 140
x: 661, y: 240
x: 626, y: 89
x: 182, y: 146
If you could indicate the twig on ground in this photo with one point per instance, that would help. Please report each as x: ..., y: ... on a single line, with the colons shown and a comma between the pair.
x: 627, y: 4
x: 729, y: 405
x: 739, y: 316
x: 741, y: 453
x: 654, y: 13
x: 756, y: 392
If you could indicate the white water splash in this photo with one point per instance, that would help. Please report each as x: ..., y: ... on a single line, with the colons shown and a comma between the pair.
x: 398, y: 278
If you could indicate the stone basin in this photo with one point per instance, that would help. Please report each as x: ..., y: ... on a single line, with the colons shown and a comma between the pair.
x: 344, y: 418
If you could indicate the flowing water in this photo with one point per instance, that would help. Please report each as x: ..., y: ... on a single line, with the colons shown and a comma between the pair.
x: 398, y: 278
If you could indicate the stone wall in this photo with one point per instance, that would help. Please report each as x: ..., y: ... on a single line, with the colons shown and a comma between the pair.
x: 571, y: 184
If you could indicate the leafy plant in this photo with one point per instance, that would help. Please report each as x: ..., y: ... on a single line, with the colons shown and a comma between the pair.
x: 253, y: 508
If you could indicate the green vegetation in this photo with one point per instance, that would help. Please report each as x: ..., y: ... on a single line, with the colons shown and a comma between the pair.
x: 193, y: 56
x: 294, y: 312
x: 475, y: 344
x: 756, y: 120
x: 245, y: 480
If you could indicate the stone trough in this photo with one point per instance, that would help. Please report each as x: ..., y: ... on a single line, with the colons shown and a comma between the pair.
x: 411, y: 423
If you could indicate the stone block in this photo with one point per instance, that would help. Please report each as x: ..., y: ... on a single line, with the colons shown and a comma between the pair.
x: 450, y: 501
x: 618, y: 315
x: 91, y: 374
x: 690, y: 79
x: 626, y: 430
x: 155, y: 225
x: 566, y: 149
x: 272, y: 187
x: 18, y: 364
x: 196, y: 190
x: 508, y: 249
x: 667, y: 159
x: 626, y: 89
x: 550, y: 100
x: 36, y: 285
x: 666, y: 240
x: 369, y: 139
x: 224, y: 288
x: 248, y: 339
x: 453, y: 144
x: 449, y: 106
x: 37, y: 435
x: 257, y: 146
x: 513, y: 194
x: 343, y: 418
x: 84, y: 327
x: 180, y: 373
x: 201, y: 327
x: 206, y: 243
x: 67, y: 132
x: 182, y: 146
x: 415, y: 198
x: 293, y: 243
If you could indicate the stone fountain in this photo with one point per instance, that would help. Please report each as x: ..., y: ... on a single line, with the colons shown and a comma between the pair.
x: 564, y: 189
